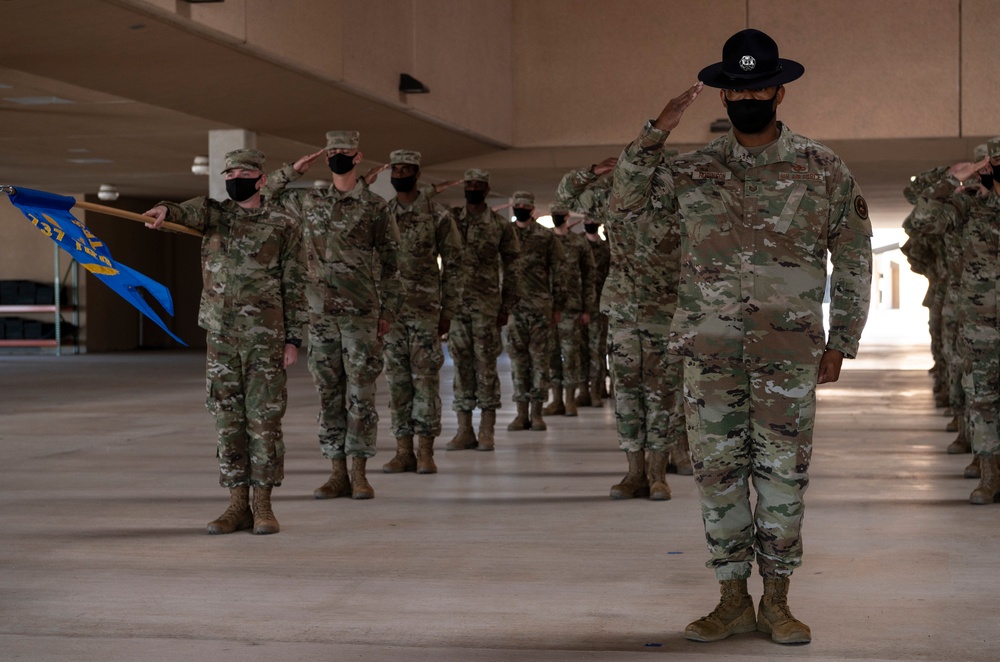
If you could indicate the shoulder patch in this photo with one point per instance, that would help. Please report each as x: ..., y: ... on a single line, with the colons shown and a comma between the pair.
x: 860, y: 206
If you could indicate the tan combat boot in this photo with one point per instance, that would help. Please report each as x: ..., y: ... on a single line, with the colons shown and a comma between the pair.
x: 733, y: 614
x: 595, y: 395
x: 338, y: 485
x: 360, y: 487
x: 975, y: 468
x: 657, y: 475
x: 425, y: 456
x: 520, y: 421
x: 405, y: 460
x: 465, y: 437
x: 537, y: 422
x: 679, y: 461
x: 487, y: 423
x: 988, y: 490
x: 584, y: 396
x: 961, y: 443
x: 264, y: 522
x: 238, y: 516
x: 556, y: 407
x: 571, y: 401
x: 774, y: 616
x: 635, y: 484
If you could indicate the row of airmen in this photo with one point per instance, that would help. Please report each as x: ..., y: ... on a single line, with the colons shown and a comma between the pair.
x: 954, y: 240
x: 377, y: 284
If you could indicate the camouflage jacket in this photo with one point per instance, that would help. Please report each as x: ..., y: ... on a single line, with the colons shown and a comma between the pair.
x: 342, y: 234
x: 979, y: 304
x: 586, y: 193
x: 427, y: 231
x: 576, y: 274
x: 755, y: 232
x: 253, y: 280
x: 541, y: 255
x: 490, y: 247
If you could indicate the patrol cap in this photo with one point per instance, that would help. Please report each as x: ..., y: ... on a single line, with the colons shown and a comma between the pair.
x: 523, y: 198
x: 247, y: 159
x: 477, y: 175
x: 979, y: 153
x: 342, y: 139
x: 404, y: 156
x: 993, y: 147
x: 558, y: 208
x: 750, y: 60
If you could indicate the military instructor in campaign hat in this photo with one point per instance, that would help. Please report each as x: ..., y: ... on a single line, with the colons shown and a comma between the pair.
x: 759, y: 211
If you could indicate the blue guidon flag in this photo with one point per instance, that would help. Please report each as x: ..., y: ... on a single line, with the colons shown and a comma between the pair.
x: 50, y: 214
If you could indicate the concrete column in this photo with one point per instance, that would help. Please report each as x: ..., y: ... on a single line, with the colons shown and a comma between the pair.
x: 219, y: 143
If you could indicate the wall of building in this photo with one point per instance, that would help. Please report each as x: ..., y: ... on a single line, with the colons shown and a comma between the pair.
x: 461, y: 50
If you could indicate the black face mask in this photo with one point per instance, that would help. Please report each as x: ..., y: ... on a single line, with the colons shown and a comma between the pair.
x: 475, y: 197
x: 987, y: 181
x: 522, y: 214
x: 341, y: 164
x: 558, y: 220
x: 403, y: 184
x: 751, y: 115
x: 241, y: 188
x: 591, y: 228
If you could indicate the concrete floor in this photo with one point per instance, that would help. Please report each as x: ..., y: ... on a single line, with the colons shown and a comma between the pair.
x: 108, y: 478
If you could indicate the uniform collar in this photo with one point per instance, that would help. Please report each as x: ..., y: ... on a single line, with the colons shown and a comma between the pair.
x: 355, y: 192
x: 780, y: 151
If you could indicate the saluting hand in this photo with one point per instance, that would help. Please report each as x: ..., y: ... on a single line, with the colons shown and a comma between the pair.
x: 305, y: 162
x: 964, y: 170
x: 671, y: 114
x: 605, y: 166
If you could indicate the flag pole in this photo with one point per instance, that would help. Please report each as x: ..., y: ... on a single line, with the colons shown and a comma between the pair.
x: 120, y: 213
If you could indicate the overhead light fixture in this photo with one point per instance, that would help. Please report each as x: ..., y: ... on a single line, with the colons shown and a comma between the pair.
x: 721, y: 125
x: 107, y: 192
x: 200, y: 165
x: 410, y: 85
x: 37, y: 101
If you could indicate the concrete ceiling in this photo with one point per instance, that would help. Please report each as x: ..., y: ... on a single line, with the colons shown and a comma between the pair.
x: 132, y: 99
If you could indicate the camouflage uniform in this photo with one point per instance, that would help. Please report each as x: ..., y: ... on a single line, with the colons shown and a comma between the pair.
x: 576, y: 277
x: 344, y: 232
x: 596, y: 355
x: 978, y: 304
x: 413, y: 355
x: 490, y: 249
x: 755, y: 231
x: 252, y: 305
x: 649, y: 411
x: 528, y: 333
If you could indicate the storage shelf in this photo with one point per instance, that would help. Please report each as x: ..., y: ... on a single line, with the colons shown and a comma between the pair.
x: 28, y: 343
x: 34, y: 309
x: 72, y: 308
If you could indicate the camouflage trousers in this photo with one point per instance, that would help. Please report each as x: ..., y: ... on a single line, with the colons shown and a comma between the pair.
x: 413, y: 360
x: 528, y: 347
x: 245, y: 380
x: 649, y: 409
x: 934, y: 322
x: 345, y: 358
x: 594, y: 354
x: 950, y: 352
x: 751, y: 423
x: 982, y: 392
x: 474, y: 344
x: 564, y: 344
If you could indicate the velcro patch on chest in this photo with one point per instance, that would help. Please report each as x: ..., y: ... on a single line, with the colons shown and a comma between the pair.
x: 712, y: 175
x: 807, y: 176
